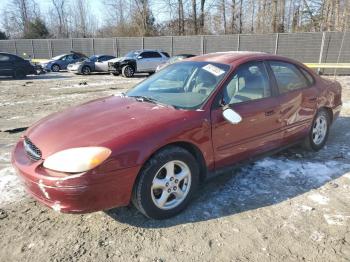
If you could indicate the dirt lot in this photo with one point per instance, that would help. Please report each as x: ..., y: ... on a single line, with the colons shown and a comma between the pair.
x: 294, y: 206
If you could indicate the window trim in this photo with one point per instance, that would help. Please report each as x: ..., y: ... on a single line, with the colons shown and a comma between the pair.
x: 220, y: 95
x: 301, y: 69
x: 297, y: 67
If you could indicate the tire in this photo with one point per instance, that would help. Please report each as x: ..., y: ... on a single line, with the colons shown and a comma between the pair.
x: 128, y: 71
x: 174, y: 187
x: 55, y: 68
x: 150, y: 73
x: 115, y: 74
x: 319, y: 131
x: 86, y: 70
x: 19, y: 74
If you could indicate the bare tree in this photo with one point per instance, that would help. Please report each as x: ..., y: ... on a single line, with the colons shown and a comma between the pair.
x: 194, y: 16
x: 59, y: 8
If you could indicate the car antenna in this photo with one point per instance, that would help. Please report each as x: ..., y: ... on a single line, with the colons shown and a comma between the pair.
x: 341, y: 48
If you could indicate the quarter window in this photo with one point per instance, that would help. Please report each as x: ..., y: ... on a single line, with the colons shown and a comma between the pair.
x: 249, y: 82
x: 307, y: 75
x: 288, y: 76
x: 4, y: 58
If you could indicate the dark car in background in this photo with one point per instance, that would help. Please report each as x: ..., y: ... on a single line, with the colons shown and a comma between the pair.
x: 15, y: 66
x: 95, y: 63
x: 61, y: 62
x: 174, y: 59
x: 139, y: 61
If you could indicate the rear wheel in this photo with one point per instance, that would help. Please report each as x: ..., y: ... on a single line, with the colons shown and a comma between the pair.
x: 128, y: 71
x: 86, y: 70
x: 318, y: 134
x: 166, y: 183
x: 115, y: 74
x: 55, y: 68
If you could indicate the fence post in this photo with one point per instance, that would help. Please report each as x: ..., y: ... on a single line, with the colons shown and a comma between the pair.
x: 276, y: 43
x: 202, y: 45
x: 321, y: 51
x: 93, y: 45
x: 238, y: 41
x: 14, y: 42
x: 71, y: 44
x: 143, y: 42
x: 117, y: 46
x: 32, y: 43
x: 49, y: 47
x: 172, y: 45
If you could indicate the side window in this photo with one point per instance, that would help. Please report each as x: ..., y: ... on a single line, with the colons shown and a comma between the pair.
x: 288, y: 76
x: 307, y: 75
x: 150, y: 55
x: 165, y: 54
x: 4, y: 58
x: 249, y: 82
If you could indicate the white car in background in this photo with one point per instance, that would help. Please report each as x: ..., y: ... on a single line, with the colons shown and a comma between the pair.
x: 138, y: 61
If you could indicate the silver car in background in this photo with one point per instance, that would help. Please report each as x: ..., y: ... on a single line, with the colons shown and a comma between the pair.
x: 95, y: 63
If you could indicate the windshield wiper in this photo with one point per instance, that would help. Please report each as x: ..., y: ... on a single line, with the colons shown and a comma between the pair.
x: 151, y: 100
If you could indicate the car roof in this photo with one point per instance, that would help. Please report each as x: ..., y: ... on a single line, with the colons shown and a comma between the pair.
x: 229, y: 57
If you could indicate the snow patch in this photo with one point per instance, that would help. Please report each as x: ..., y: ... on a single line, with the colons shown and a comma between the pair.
x: 338, y: 220
x: 319, y: 199
x: 10, y: 186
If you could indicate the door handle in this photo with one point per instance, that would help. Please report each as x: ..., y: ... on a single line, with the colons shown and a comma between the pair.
x: 269, y: 113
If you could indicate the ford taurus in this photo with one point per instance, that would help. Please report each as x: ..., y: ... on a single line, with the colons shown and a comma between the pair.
x: 155, y: 144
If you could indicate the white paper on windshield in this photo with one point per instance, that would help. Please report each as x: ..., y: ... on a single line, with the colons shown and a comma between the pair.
x: 213, y: 70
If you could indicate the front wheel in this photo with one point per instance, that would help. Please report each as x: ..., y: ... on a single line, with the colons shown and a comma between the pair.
x: 166, y: 183
x: 55, y: 68
x: 319, y: 131
x: 86, y: 70
x: 128, y: 71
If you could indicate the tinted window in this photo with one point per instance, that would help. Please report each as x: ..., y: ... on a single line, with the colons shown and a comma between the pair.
x: 288, y: 76
x: 249, y: 82
x: 150, y: 55
x: 4, y: 58
x: 166, y: 54
x: 307, y: 75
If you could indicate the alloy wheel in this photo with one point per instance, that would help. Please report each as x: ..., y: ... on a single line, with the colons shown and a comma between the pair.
x: 171, y: 185
x: 319, y: 129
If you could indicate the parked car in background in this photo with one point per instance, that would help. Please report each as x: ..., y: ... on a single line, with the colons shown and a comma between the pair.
x: 139, y: 61
x: 15, y: 66
x: 173, y: 59
x: 95, y: 63
x: 153, y: 145
x: 61, y: 62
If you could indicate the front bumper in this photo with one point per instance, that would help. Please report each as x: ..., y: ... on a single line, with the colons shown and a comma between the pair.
x: 79, y: 193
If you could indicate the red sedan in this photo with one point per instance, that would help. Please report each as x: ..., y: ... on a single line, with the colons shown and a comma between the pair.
x: 153, y: 145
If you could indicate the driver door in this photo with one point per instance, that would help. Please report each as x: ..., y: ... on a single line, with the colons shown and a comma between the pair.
x: 248, y: 92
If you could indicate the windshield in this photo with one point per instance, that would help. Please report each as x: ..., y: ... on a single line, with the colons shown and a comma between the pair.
x: 132, y: 54
x: 93, y: 58
x: 183, y: 85
x: 57, y: 57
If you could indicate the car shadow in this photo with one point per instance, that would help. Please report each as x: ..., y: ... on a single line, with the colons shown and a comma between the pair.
x: 47, y: 76
x: 267, y: 182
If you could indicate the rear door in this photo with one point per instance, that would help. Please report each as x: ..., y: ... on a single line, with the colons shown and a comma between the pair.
x: 298, y: 97
x: 6, y: 65
x: 250, y: 93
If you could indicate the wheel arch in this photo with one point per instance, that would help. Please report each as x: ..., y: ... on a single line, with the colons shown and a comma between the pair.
x: 329, y: 111
x: 191, y: 148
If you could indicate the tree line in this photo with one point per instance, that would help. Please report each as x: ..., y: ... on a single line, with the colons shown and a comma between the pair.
x: 76, y: 18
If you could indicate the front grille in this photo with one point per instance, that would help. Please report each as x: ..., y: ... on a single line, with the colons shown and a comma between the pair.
x: 32, y: 151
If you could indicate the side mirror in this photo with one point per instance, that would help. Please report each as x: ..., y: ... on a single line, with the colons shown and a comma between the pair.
x: 139, y: 57
x: 231, y: 116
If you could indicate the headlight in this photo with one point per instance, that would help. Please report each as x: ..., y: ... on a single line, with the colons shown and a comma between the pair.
x: 76, y: 160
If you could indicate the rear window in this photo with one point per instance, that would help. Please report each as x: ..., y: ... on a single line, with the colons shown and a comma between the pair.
x: 288, y: 76
x: 307, y: 75
x: 4, y: 58
x: 166, y: 54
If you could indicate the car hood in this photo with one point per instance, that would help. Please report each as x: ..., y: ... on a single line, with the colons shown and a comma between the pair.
x: 46, y: 61
x: 100, y: 123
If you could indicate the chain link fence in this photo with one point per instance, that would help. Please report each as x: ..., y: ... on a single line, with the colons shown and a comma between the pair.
x: 305, y: 47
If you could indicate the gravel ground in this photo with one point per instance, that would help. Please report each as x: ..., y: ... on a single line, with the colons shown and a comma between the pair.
x: 294, y: 206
